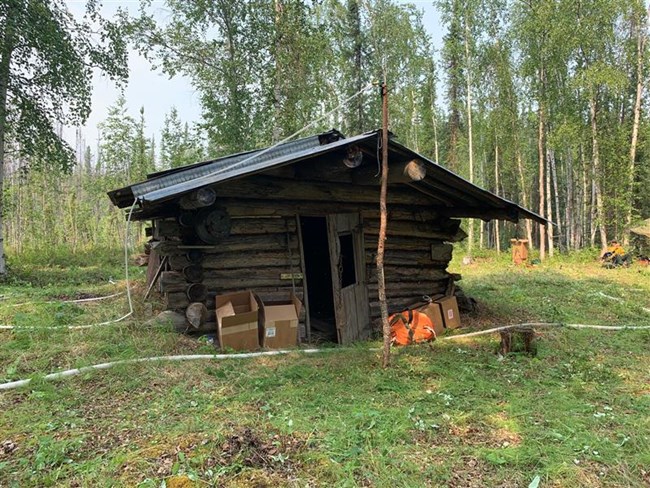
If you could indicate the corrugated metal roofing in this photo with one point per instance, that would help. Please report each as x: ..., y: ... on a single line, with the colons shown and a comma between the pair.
x: 179, y: 180
x: 459, y: 196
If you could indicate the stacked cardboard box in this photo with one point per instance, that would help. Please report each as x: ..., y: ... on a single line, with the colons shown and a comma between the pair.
x: 245, y: 322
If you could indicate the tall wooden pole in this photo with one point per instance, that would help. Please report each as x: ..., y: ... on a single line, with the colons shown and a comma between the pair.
x: 383, y: 222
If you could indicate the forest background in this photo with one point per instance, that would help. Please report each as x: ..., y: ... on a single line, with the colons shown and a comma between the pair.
x: 540, y: 101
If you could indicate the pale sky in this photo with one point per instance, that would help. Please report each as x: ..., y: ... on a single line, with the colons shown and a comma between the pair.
x: 156, y: 92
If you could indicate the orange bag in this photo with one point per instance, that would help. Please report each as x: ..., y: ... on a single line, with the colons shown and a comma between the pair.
x: 411, y: 327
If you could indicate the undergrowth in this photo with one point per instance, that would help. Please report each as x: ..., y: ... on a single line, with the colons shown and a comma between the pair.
x: 456, y: 414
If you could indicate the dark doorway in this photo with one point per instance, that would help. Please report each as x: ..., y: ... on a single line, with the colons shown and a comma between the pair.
x: 319, y: 278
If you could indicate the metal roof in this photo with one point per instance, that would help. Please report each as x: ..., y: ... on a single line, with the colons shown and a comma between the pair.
x: 450, y: 193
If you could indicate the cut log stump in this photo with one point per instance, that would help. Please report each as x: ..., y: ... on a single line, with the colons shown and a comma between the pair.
x: 518, y: 339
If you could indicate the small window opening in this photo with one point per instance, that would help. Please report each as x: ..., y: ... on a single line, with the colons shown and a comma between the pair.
x: 347, y: 267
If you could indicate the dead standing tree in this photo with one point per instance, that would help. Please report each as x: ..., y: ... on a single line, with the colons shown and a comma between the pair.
x: 383, y: 222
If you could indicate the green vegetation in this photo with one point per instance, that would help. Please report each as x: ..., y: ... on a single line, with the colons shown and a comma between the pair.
x: 577, y: 414
x: 541, y: 102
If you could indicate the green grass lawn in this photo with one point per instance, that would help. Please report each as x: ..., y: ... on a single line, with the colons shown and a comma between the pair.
x: 576, y: 414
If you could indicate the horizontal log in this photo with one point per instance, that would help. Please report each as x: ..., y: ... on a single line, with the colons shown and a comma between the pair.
x: 209, y: 326
x: 236, y: 227
x: 176, y: 300
x: 406, y: 288
x: 173, y: 281
x: 178, y: 261
x: 265, y: 293
x: 238, y: 207
x: 268, y: 242
x: 166, y: 228
x: 238, y: 282
x: 249, y: 260
x: 412, y: 258
x: 394, y: 305
x: 402, y: 243
x: 253, y: 226
x: 403, y: 273
x: 230, y: 279
x: 407, y: 228
x: 266, y: 187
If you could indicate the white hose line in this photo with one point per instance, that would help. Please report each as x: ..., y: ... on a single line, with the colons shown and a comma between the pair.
x: 74, y: 372
x: 80, y: 300
x: 546, y: 324
x: 63, y: 327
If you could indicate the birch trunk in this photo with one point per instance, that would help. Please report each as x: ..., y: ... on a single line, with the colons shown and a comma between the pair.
x: 524, y: 196
x: 468, y: 79
x: 6, y: 52
x: 640, y: 49
x: 600, y: 210
x: 549, y: 206
x: 276, y: 133
x: 556, y: 196
x: 435, y: 134
x: 497, y: 237
x: 540, y: 155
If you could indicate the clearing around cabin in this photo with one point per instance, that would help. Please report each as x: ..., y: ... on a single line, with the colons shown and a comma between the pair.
x: 456, y: 414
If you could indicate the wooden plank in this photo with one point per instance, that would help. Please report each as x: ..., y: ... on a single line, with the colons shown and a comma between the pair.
x: 335, y: 256
x: 305, y: 285
x: 156, y: 276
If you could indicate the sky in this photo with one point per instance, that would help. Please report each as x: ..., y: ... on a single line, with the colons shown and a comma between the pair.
x: 156, y: 92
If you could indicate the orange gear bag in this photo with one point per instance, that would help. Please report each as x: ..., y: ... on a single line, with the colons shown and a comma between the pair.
x: 411, y: 327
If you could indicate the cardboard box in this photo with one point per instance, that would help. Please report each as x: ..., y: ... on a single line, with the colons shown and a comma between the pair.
x: 432, y: 310
x: 237, y: 321
x: 449, y: 310
x: 280, y: 323
x: 443, y: 312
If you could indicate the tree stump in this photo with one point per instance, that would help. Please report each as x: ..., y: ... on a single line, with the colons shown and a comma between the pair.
x: 518, y: 339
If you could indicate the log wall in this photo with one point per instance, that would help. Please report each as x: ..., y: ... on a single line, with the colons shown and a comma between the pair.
x: 263, y: 242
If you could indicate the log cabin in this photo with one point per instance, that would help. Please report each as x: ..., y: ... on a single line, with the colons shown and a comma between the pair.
x: 303, y: 217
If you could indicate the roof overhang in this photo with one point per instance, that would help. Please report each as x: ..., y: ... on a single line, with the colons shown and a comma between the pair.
x: 452, y: 195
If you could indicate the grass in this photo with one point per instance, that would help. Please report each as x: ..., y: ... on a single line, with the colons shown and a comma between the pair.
x: 576, y: 414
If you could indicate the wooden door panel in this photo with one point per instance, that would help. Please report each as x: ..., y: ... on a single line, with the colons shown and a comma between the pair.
x: 350, y: 302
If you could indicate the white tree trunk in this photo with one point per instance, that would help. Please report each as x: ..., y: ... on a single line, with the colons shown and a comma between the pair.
x: 640, y: 82
x: 600, y: 208
x: 470, y: 141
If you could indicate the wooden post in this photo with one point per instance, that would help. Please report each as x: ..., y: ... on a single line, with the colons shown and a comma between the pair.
x: 305, y: 289
x: 383, y: 221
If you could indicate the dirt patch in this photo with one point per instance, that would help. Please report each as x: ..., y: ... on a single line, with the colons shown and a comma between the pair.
x: 469, y: 473
x: 484, y: 436
x: 251, y: 450
x: 7, y: 448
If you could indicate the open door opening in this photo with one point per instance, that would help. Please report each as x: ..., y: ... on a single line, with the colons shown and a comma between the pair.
x: 319, y: 278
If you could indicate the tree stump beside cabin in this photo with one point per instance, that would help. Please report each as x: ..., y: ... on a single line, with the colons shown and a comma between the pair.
x: 526, y: 342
